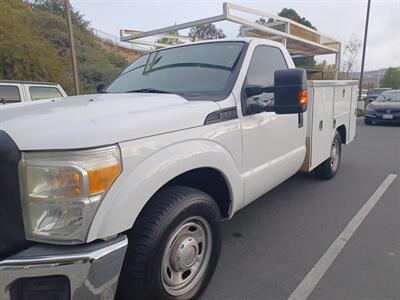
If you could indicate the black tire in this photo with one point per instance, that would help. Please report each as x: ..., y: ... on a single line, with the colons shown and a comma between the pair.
x: 141, y: 277
x: 329, y: 167
x: 367, y: 122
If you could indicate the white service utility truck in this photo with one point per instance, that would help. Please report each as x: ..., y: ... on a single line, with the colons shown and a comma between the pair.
x: 121, y: 194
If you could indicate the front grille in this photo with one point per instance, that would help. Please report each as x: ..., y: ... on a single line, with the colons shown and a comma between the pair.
x: 12, y: 235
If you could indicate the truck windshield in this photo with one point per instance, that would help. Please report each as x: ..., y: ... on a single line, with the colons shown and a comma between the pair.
x: 200, y: 70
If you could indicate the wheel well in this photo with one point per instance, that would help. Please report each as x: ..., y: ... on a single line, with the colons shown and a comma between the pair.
x: 342, y: 131
x: 210, y: 181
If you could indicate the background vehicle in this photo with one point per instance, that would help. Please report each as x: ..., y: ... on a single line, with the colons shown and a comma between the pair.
x: 364, y: 95
x: 385, y: 109
x: 375, y: 92
x: 129, y: 187
x: 14, y: 91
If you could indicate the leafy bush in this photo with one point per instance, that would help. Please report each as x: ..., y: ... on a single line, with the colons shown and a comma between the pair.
x: 34, y: 45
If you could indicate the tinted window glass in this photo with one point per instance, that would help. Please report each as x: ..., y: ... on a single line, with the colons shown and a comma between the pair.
x: 203, y: 69
x: 42, y: 92
x: 265, y: 61
x: 392, y: 96
x: 9, y: 94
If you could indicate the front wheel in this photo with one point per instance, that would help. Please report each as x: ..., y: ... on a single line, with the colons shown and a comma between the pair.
x: 173, y: 247
x: 329, y: 167
x: 367, y: 121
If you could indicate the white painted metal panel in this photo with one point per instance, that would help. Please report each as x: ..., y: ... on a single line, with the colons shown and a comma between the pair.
x: 322, y: 124
x: 353, y: 114
x: 342, y: 100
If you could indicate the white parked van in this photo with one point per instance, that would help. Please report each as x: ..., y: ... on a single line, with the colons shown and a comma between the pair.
x: 15, y: 91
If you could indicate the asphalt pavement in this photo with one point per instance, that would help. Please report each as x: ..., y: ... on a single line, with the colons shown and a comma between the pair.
x: 270, y: 246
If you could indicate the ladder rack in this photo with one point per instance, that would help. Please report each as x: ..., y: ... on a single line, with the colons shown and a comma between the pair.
x: 300, y: 40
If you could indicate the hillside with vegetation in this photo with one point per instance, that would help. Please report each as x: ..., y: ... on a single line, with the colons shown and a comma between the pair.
x: 34, y: 45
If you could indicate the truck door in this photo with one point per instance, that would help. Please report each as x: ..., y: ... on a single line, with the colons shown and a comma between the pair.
x: 273, y: 145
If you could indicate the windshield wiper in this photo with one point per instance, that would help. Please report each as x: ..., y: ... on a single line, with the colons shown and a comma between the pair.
x: 149, y: 90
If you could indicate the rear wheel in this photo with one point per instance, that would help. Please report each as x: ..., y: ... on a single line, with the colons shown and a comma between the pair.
x: 329, y: 167
x: 173, y: 247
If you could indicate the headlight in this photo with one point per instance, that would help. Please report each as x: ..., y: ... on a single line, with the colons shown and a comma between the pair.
x: 62, y: 190
x: 370, y: 110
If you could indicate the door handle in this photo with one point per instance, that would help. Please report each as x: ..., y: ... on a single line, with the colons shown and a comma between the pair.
x: 321, y: 125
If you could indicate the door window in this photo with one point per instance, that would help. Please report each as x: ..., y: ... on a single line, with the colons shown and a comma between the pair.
x: 44, y: 92
x: 9, y: 94
x: 265, y: 61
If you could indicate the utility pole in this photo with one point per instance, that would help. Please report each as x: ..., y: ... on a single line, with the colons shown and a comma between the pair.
x: 363, y: 54
x: 72, y: 47
x: 379, y: 78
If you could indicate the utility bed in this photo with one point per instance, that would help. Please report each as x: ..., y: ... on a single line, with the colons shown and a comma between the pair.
x: 331, y: 104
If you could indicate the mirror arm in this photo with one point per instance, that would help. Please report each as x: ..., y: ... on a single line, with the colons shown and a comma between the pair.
x: 255, y: 108
x: 258, y: 90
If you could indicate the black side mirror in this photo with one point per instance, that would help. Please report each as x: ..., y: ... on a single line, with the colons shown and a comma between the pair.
x: 290, y: 92
x: 99, y: 87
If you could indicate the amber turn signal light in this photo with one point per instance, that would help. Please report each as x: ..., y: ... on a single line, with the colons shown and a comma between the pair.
x: 303, y: 99
x: 101, y: 179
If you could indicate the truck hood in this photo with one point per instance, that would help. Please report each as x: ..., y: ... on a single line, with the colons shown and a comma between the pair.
x: 101, y: 119
x: 385, y: 105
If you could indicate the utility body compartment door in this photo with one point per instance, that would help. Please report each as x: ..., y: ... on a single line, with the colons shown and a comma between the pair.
x: 353, y: 114
x: 331, y: 106
x: 322, y: 123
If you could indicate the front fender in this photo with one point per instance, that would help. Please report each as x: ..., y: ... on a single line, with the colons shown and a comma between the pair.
x: 139, y: 181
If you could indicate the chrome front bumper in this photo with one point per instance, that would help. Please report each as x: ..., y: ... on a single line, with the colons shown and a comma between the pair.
x: 93, y: 269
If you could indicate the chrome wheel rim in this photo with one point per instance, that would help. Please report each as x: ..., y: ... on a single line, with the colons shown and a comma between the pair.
x: 335, y: 155
x: 186, y: 256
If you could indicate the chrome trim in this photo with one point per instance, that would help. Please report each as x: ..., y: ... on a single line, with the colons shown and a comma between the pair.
x: 93, y: 269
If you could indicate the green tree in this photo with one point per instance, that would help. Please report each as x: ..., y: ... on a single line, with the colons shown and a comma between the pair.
x: 391, y: 79
x: 170, y: 39
x: 34, y: 45
x: 24, y: 53
x: 57, y: 7
x: 206, y: 32
x: 291, y: 14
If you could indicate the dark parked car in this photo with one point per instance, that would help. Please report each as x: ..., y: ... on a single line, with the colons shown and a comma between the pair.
x: 385, y: 109
x: 375, y: 92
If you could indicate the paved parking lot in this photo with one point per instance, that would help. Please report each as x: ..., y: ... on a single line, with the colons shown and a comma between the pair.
x: 270, y: 246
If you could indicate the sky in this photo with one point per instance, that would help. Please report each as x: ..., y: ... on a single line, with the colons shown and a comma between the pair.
x: 340, y: 19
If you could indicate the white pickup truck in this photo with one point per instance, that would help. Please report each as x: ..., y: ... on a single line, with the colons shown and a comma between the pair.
x: 121, y: 194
